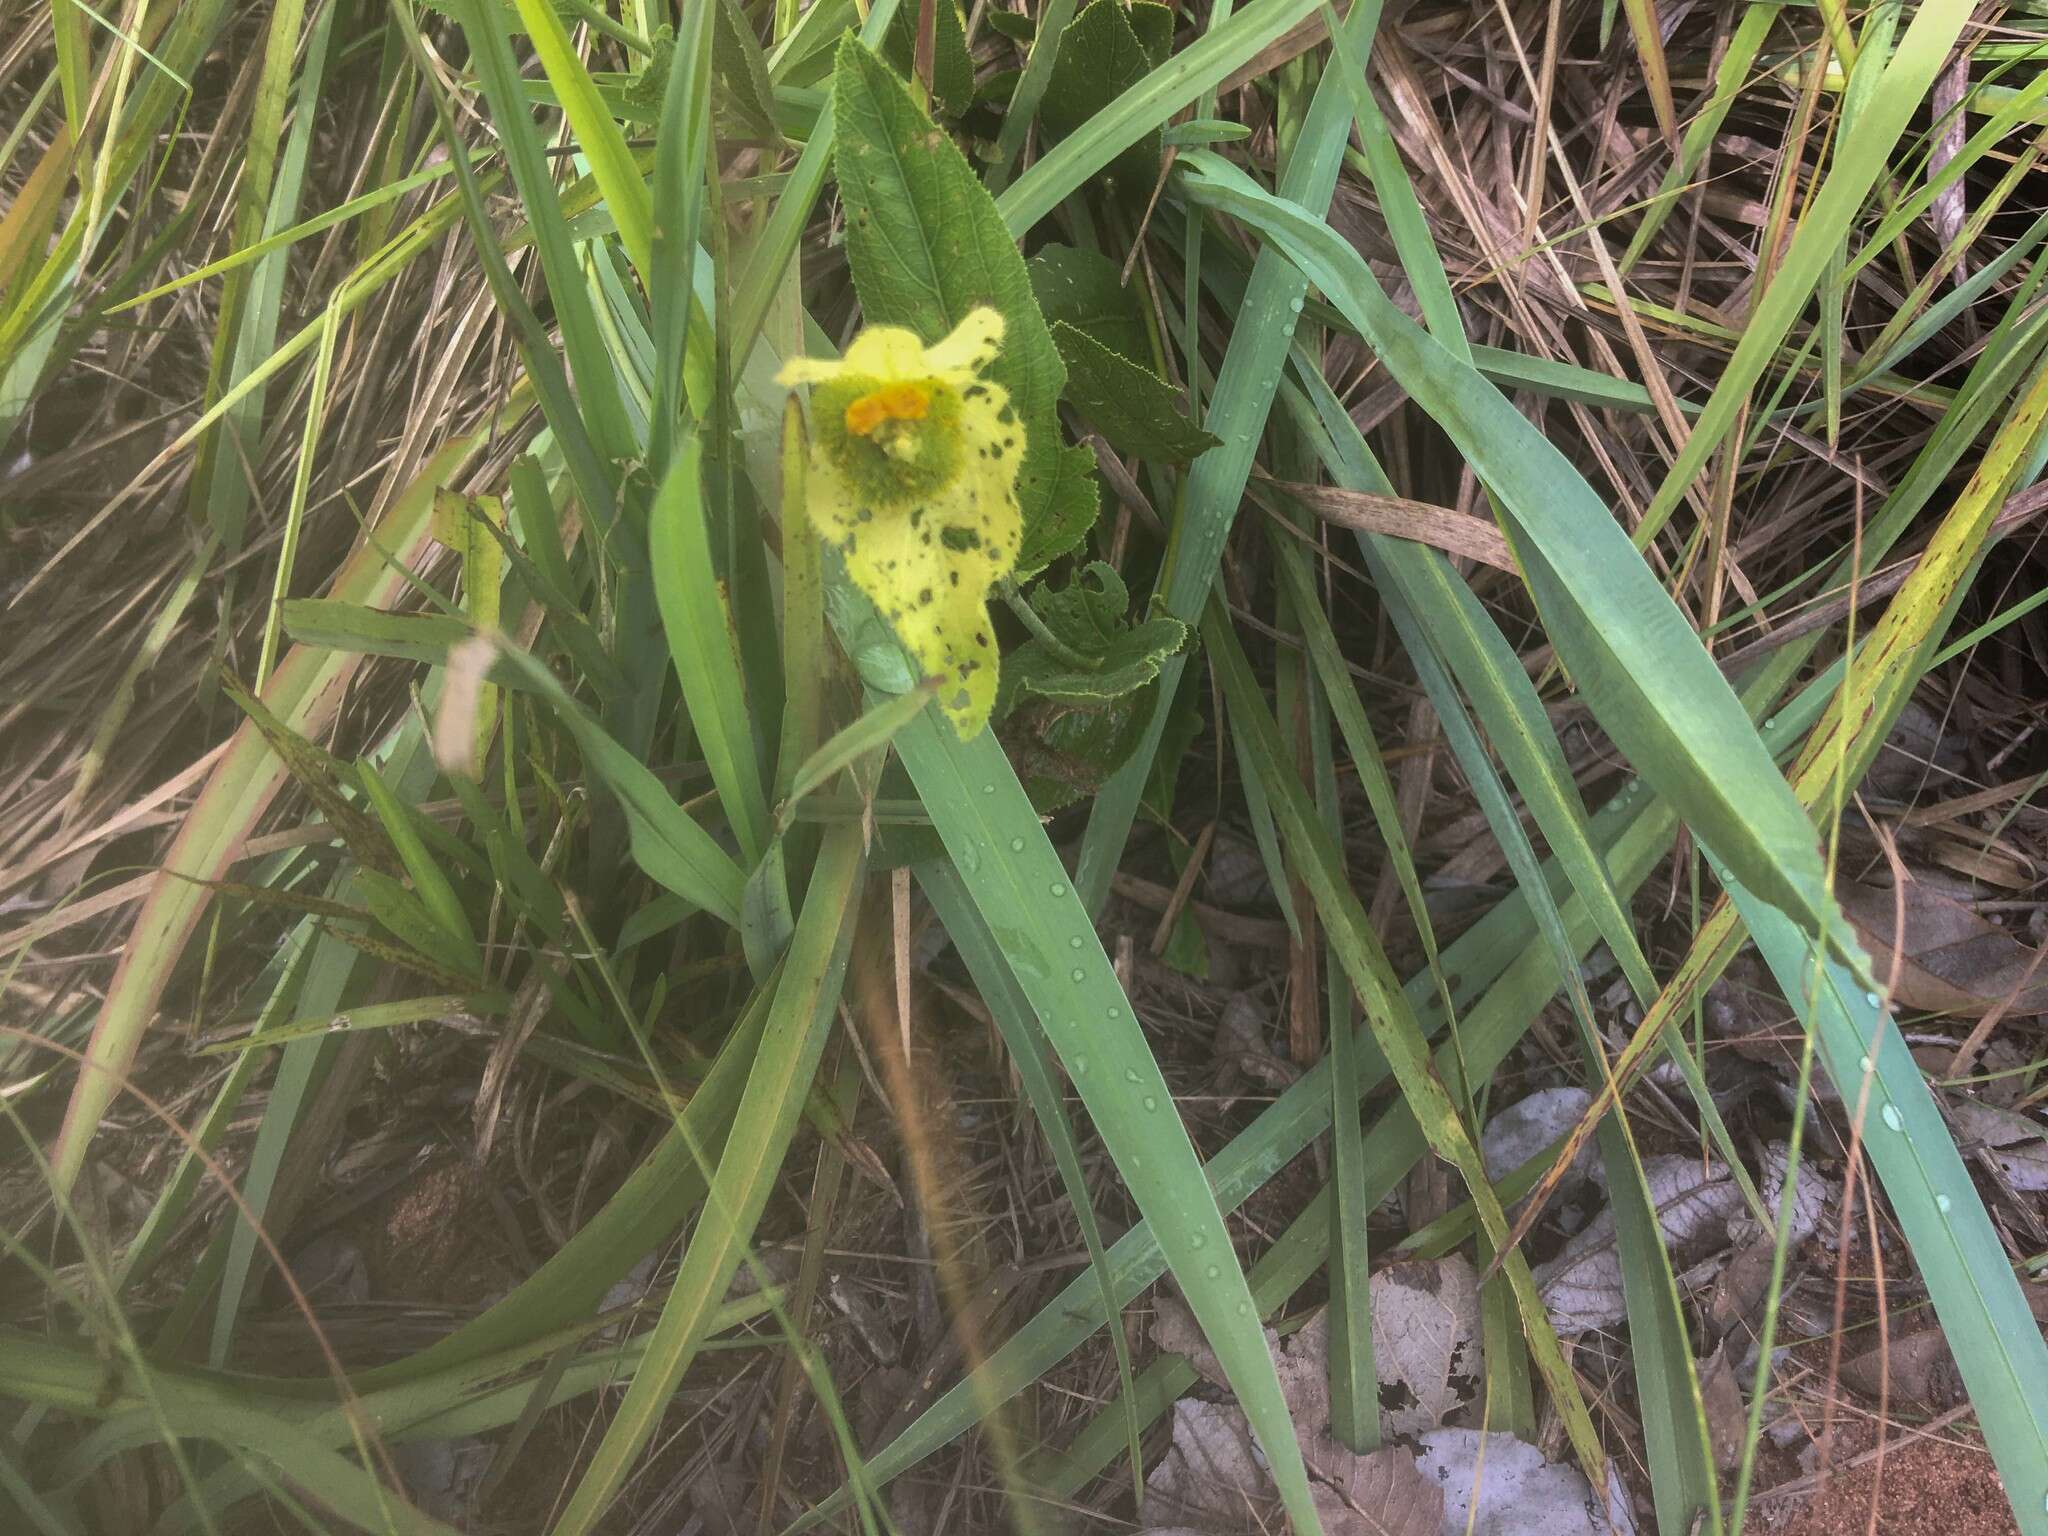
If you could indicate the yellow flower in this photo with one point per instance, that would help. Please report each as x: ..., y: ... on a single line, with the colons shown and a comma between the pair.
x: 913, y: 475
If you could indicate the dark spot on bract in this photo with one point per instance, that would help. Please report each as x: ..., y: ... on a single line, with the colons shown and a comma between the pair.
x: 924, y: 598
x: 864, y: 515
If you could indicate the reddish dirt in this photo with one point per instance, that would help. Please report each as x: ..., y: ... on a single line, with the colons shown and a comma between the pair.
x: 1927, y: 1488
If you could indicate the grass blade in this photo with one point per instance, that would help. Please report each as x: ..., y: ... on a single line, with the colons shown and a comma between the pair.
x: 806, y: 997
x: 1020, y: 887
x: 701, y: 641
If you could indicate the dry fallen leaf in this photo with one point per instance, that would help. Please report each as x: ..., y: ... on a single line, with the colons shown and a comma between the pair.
x: 1531, y: 1125
x: 1496, y: 1485
x: 1721, y: 1399
x: 1949, y: 959
x: 1582, y: 1285
x: 1382, y: 1493
x: 1212, y: 1480
x: 1741, y: 1285
x: 1948, y: 209
x: 1923, y: 1372
x: 2015, y: 1143
x: 1425, y: 1342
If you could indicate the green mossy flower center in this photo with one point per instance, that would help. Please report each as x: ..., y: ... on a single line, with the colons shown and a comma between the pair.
x: 901, y: 457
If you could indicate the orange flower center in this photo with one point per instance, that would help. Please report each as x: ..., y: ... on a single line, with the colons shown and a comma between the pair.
x: 892, y: 402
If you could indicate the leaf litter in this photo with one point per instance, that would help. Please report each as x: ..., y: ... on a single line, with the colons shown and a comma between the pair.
x: 1444, y: 1480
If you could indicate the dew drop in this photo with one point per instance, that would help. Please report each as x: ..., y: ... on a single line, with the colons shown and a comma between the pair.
x: 1244, y: 1309
x: 1078, y: 974
x: 1151, y: 1104
x: 1080, y: 1067
x: 1195, y: 1239
x: 1075, y: 942
x: 1057, y: 888
x: 988, y: 789
x: 1131, y: 1075
x: 1892, y: 1118
x: 1871, y: 998
x: 1016, y: 845
x: 970, y: 858
x: 1213, y: 1271
x: 1115, y: 1012
x: 1865, y: 1065
x: 1942, y: 1203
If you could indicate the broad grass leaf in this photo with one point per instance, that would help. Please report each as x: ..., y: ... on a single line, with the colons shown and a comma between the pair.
x: 1137, y: 411
x: 926, y: 245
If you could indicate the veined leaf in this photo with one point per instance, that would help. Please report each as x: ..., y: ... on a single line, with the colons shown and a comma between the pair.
x: 1136, y: 410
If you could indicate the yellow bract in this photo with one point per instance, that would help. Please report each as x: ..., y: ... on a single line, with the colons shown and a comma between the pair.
x: 914, y: 460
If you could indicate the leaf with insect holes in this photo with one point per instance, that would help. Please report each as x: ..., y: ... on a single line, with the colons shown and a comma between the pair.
x: 1135, y: 410
x: 1108, y: 656
x: 1425, y: 1342
x: 927, y: 246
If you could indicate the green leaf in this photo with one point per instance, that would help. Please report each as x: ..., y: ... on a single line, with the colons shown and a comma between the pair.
x: 1106, y: 655
x: 737, y: 60
x: 1064, y: 752
x: 406, y: 918
x: 667, y: 844
x: 701, y: 642
x: 1100, y: 58
x: 1083, y: 288
x: 604, y: 145
x: 1138, y: 412
x: 926, y: 246
x: 1152, y: 24
x: 952, y: 66
x: 338, y: 626
x: 1014, y: 25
